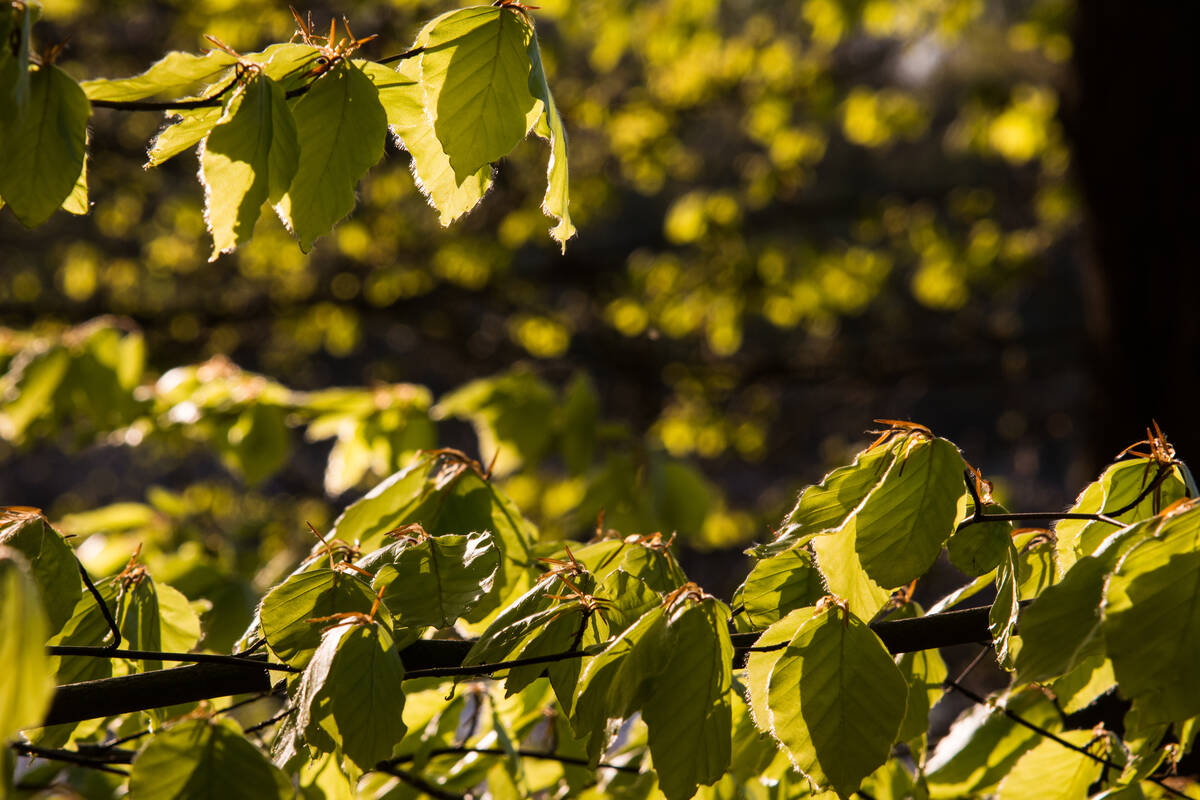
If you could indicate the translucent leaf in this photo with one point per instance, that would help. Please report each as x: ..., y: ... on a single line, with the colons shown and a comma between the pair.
x: 30, y: 387
x: 1052, y: 772
x: 827, y: 505
x: 257, y: 444
x: 550, y: 126
x: 341, y: 127
x: 28, y: 681
x: 688, y: 711
x: 436, y: 581
x: 761, y: 661
x: 86, y: 627
x: 248, y: 158
x: 925, y: 672
x: 836, y: 700
x: 904, y: 522
x: 42, y: 150
x: 52, y: 564
x: 776, y: 586
x: 77, y: 201
x: 1152, y: 620
x: 205, y: 759
x: 285, y: 611
x: 1060, y: 627
x: 983, y: 744
x: 475, y: 71
x: 1089, y: 679
x: 1119, y: 485
x: 363, y: 684
x: 844, y: 575
x: 1002, y: 618
x: 403, y: 101
x: 185, y: 131
x: 174, y: 75
x: 979, y: 548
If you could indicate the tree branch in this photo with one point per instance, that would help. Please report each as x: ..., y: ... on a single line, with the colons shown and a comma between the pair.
x: 428, y: 657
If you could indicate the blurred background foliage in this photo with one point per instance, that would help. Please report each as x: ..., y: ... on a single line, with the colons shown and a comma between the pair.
x: 794, y: 216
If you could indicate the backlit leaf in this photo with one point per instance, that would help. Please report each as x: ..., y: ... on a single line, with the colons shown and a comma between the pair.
x: 436, y: 581
x: 174, y: 75
x: 52, y: 564
x: 1052, y: 772
x: 285, y: 611
x: 550, y: 126
x: 778, y: 585
x: 28, y: 681
x: 184, y: 131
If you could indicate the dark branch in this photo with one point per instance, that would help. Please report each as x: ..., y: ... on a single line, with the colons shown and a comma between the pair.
x: 108, y: 617
x: 157, y: 655
x: 496, y: 751
x: 425, y: 658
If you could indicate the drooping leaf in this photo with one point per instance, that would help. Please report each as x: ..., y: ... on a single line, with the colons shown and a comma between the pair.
x: 979, y: 548
x: 285, y: 611
x: 341, y: 128
x: 550, y: 126
x: 475, y: 73
x: 925, y: 673
x: 836, y: 700
x: 205, y: 759
x: 1002, y: 618
x: 248, y: 158
x: 77, y: 201
x: 42, y: 149
x: 844, y: 575
x: 52, y: 564
x: 28, y: 681
x: 436, y: 581
x: 1152, y: 620
x: 688, y: 710
x: 404, y: 101
x: 903, y: 523
x: 174, y: 75
x: 768, y: 649
x: 827, y: 505
x: 1052, y: 771
x: 362, y: 682
x: 1061, y: 626
x: 184, y: 131
x: 779, y: 585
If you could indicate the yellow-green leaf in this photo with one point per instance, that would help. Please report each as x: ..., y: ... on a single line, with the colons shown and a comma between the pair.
x: 556, y: 203
x: 28, y: 681
x: 173, y: 75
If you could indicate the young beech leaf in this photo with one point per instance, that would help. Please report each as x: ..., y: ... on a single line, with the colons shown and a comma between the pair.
x: 249, y: 158
x: 980, y: 547
x: 403, y: 99
x: 52, y: 565
x: 550, y: 127
x: 778, y: 585
x: 843, y: 571
x: 836, y: 700
x: 77, y: 201
x: 341, y: 128
x: 173, y: 75
x: 1061, y: 627
x: 1152, y: 620
x: 762, y: 660
x: 205, y: 759
x: 1002, y: 618
x: 28, y: 680
x: 436, y: 581
x: 827, y: 505
x: 86, y: 627
x: 42, y: 146
x: 1052, y: 772
x: 687, y: 709
x: 357, y: 676
x: 904, y: 522
x: 185, y: 130
x: 287, y: 609
x: 475, y: 73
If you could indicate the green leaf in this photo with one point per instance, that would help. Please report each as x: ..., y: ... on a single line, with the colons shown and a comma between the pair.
x: 86, y: 627
x: 581, y: 412
x: 438, y: 580
x: 42, y: 152
x: 903, y: 523
x: 836, y: 700
x: 77, y: 201
x: 1152, y: 620
x: 28, y: 681
x: 475, y: 71
x: 205, y: 759
x: 52, y: 564
x: 29, y: 388
x: 1119, y: 485
x: 257, y: 444
x: 925, y: 673
x: 1052, y: 772
x: 983, y: 744
x: 779, y: 585
x: 688, y: 710
x: 827, y: 505
x: 1002, y: 618
x: 1059, y: 629
x: 359, y: 673
x: 509, y: 413
x: 762, y: 660
x: 404, y: 100
x: 978, y: 548
x: 285, y: 611
x: 844, y: 575
x: 550, y: 126
x: 185, y: 130
x: 341, y: 127
x: 248, y: 158
x: 173, y: 75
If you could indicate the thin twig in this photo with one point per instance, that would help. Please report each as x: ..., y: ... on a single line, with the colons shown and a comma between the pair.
x: 75, y: 757
x: 269, y: 721
x: 486, y: 669
x: 156, y: 655
x: 416, y: 51
x: 108, y: 617
x: 497, y: 751
x: 1024, y: 516
x: 420, y: 784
